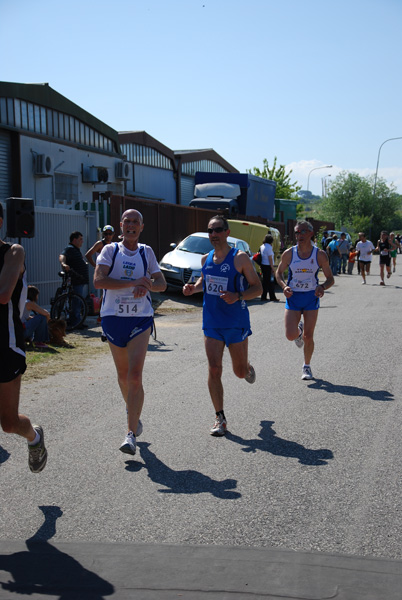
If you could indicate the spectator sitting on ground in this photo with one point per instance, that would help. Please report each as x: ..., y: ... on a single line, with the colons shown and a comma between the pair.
x: 35, y: 325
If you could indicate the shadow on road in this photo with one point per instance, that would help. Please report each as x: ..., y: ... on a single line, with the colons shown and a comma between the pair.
x: 351, y: 390
x: 4, y: 455
x: 270, y: 442
x: 181, y: 482
x: 43, y: 569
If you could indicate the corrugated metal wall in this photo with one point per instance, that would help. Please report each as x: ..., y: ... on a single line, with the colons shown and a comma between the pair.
x: 186, y: 190
x: 159, y: 183
x: 5, y: 165
x: 52, y: 233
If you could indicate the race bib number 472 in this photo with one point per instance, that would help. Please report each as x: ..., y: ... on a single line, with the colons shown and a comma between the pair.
x: 216, y: 285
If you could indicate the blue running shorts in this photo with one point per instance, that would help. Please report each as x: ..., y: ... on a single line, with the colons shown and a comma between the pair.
x: 302, y: 301
x: 121, y: 330
x: 229, y: 336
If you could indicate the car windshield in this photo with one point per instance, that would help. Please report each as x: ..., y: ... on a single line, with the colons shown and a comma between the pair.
x: 196, y: 245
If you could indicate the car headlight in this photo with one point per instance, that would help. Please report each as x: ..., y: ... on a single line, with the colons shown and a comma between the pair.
x: 169, y: 267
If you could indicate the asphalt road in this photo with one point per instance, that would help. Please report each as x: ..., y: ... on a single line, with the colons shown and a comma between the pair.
x: 306, y: 465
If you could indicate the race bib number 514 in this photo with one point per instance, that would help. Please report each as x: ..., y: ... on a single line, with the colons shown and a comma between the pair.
x: 127, y: 306
x: 216, y: 285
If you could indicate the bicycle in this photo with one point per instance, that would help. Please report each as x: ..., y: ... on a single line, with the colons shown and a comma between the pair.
x: 67, y: 303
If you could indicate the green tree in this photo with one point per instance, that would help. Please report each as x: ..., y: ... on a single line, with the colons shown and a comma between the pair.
x: 350, y: 204
x: 285, y: 189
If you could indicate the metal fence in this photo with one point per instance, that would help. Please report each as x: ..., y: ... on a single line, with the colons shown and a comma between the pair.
x: 52, y: 234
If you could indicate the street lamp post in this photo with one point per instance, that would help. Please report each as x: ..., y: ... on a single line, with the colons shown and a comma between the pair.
x: 376, y: 175
x: 325, y: 185
x: 315, y: 168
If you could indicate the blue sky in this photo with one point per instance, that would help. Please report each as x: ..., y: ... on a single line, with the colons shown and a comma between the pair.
x: 312, y: 82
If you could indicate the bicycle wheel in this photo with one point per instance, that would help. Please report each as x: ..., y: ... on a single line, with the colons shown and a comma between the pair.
x: 71, y: 308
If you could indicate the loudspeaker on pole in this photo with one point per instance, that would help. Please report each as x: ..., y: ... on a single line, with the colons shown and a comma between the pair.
x: 20, y: 218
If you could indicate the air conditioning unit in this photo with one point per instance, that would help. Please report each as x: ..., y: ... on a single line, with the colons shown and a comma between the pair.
x: 42, y: 165
x: 89, y: 174
x: 103, y: 175
x: 122, y: 170
x: 94, y: 174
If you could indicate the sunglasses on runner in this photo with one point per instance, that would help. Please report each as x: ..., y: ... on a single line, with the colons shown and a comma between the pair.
x: 302, y: 231
x: 216, y: 229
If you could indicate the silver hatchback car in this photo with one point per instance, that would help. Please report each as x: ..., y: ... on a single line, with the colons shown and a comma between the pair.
x: 183, y: 264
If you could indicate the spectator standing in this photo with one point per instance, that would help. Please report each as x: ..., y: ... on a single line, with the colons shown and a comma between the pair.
x: 343, y: 247
x: 108, y: 233
x: 334, y: 255
x: 351, y: 260
x: 267, y: 269
x: 72, y: 260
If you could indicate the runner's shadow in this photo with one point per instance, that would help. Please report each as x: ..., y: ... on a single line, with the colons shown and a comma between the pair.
x: 269, y: 442
x: 181, y: 482
x: 4, y: 455
x: 351, y: 390
x: 158, y: 346
x: 45, y: 570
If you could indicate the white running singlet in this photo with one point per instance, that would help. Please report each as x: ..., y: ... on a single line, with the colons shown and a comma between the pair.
x: 125, y: 264
x: 303, y: 272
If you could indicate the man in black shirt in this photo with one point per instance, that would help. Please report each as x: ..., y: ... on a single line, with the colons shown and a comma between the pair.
x: 72, y: 259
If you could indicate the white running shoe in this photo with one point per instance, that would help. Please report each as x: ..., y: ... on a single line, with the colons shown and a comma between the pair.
x: 129, y: 446
x: 364, y: 282
x: 139, y: 426
x: 219, y: 427
x: 299, y: 340
x: 307, y: 374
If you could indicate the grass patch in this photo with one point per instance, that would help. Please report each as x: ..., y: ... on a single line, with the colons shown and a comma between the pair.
x: 84, y: 346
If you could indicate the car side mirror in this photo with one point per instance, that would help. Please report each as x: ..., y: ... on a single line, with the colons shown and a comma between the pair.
x: 173, y: 246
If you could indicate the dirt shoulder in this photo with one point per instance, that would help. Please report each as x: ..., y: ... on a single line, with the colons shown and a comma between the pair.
x: 86, y: 344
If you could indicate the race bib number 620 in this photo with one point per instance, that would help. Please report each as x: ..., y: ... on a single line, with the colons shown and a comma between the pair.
x: 216, y: 285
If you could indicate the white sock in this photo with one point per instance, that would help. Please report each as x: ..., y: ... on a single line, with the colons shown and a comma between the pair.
x: 36, y: 440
